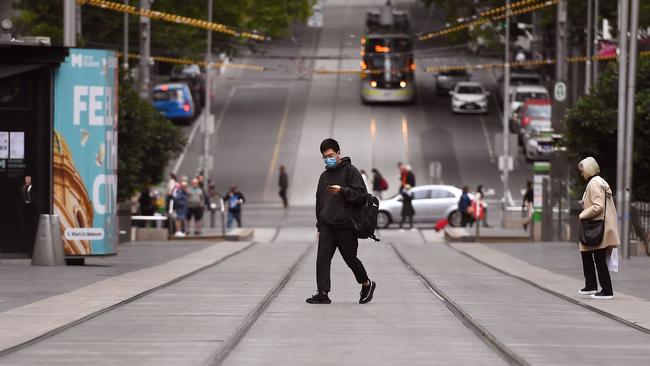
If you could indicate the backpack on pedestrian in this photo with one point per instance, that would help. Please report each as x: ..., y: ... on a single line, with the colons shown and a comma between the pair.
x: 383, y: 184
x: 364, y: 218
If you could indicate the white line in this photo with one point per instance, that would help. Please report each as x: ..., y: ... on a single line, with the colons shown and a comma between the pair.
x: 486, y: 134
x: 197, y: 123
x: 278, y: 142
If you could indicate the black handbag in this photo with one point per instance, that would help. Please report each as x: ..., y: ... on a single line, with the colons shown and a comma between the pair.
x: 593, y: 231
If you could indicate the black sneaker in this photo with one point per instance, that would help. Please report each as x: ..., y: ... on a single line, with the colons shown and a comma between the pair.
x: 602, y: 296
x: 367, y: 292
x: 319, y: 298
x: 586, y: 291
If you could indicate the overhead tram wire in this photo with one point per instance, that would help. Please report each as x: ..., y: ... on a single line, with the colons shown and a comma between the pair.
x: 490, y: 16
x: 174, y: 18
x: 188, y: 61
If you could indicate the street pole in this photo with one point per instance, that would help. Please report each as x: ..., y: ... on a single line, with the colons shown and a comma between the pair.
x: 208, y: 88
x: 590, y: 20
x: 595, y: 38
x: 629, y: 128
x: 622, y: 80
x: 506, y: 107
x: 69, y: 23
x: 561, y: 69
x: 145, y: 51
x: 125, y: 50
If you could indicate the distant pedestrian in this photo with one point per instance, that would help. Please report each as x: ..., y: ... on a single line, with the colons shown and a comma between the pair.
x: 180, y: 207
x: 527, y: 207
x: 366, y: 180
x: 171, y: 186
x: 480, y: 197
x: 195, y: 206
x: 407, y: 206
x: 379, y: 184
x: 234, y: 201
x: 283, y: 183
x: 147, y: 207
x: 340, y: 187
x: 464, y: 205
x: 406, y: 175
x: 598, y: 204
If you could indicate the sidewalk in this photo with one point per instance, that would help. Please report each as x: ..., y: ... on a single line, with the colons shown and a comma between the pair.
x: 556, y: 266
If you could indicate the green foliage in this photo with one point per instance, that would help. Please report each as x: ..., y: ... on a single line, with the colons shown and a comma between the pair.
x: 146, y: 143
x: 591, y: 127
x: 103, y: 28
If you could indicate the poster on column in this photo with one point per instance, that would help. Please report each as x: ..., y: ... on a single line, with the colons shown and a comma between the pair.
x: 85, y: 151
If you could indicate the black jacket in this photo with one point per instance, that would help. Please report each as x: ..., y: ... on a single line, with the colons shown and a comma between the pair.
x: 334, y: 209
x: 407, y: 204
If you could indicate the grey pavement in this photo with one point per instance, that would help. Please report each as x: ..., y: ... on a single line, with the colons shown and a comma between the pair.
x: 541, y: 328
x: 404, y: 324
x: 183, y: 324
x: 22, y: 284
x: 633, y: 277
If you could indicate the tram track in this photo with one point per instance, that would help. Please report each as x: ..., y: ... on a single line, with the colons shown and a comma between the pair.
x: 507, y: 354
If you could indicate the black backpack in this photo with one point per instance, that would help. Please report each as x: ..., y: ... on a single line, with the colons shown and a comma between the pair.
x: 364, y: 218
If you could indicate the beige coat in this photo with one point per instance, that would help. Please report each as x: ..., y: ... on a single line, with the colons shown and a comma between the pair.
x: 593, y: 207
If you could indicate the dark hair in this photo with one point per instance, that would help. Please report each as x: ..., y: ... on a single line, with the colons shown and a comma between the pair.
x: 529, y: 184
x: 465, y: 189
x: 329, y: 143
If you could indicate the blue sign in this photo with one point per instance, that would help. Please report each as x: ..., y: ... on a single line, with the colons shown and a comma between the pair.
x: 85, y: 151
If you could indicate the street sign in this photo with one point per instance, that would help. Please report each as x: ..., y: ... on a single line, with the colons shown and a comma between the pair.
x: 506, y: 161
x: 559, y: 92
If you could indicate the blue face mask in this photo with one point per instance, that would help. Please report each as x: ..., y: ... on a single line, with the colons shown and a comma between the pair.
x: 330, y: 162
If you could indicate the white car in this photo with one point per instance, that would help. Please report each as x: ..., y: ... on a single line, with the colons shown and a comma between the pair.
x: 469, y: 97
x: 431, y: 203
x: 520, y: 94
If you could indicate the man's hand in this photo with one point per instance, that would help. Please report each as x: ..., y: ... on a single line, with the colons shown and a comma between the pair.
x: 334, y: 189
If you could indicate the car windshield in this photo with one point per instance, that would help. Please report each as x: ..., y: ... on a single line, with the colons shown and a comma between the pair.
x: 539, y: 111
x: 168, y: 95
x: 524, y: 96
x: 470, y: 90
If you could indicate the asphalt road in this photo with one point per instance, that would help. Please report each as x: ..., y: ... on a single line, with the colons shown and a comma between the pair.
x: 274, y: 118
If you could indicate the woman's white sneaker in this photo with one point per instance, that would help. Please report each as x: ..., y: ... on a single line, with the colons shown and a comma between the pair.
x: 602, y: 296
x: 585, y: 291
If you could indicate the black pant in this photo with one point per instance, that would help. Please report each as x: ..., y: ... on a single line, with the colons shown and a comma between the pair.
x: 466, y: 219
x: 600, y: 257
x: 329, y: 239
x: 283, y: 195
x: 404, y: 218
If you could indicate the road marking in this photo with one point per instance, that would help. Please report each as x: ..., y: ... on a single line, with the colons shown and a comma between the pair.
x: 486, y: 134
x: 278, y: 141
x: 197, y: 123
x: 405, y: 136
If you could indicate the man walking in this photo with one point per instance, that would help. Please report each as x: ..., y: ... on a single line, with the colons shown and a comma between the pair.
x: 234, y: 200
x: 464, y: 205
x: 283, y: 183
x: 340, y: 187
x: 195, y: 206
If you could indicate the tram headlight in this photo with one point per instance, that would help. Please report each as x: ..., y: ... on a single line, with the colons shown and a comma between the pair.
x: 402, y: 84
x: 373, y: 84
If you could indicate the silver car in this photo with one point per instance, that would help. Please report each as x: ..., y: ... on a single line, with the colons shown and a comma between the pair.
x: 469, y: 97
x: 431, y: 203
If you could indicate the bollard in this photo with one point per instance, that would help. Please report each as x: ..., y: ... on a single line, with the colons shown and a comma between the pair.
x: 43, y: 254
x: 57, y: 241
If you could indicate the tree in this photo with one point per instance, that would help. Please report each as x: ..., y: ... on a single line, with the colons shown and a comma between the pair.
x: 146, y: 143
x: 591, y: 127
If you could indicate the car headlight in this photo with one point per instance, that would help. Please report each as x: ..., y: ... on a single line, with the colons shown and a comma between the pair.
x: 373, y: 84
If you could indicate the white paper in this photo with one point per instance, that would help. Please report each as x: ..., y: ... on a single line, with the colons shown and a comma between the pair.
x: 612, y: 261
x: 4, y: 145
x: 16, y: 145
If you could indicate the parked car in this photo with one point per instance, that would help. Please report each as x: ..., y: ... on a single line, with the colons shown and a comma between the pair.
x: 522, y: 93
x: 447, y: 80
x: 522, y: 77
x: 174, y: 101
x: 532, y: 109
x: 191, y: 75
x: 469, y: 97
x: 431, y: 203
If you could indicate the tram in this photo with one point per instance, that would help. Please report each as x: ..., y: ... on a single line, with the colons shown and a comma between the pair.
x: 387, y: 65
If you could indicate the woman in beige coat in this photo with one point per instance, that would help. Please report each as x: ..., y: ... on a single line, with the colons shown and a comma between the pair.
x: 596, y: 196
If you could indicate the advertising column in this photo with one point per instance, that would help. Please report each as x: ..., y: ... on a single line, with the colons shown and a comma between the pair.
x: 85, y: 152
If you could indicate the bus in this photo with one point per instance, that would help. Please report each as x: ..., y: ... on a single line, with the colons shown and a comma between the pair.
x: 387, y: 65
